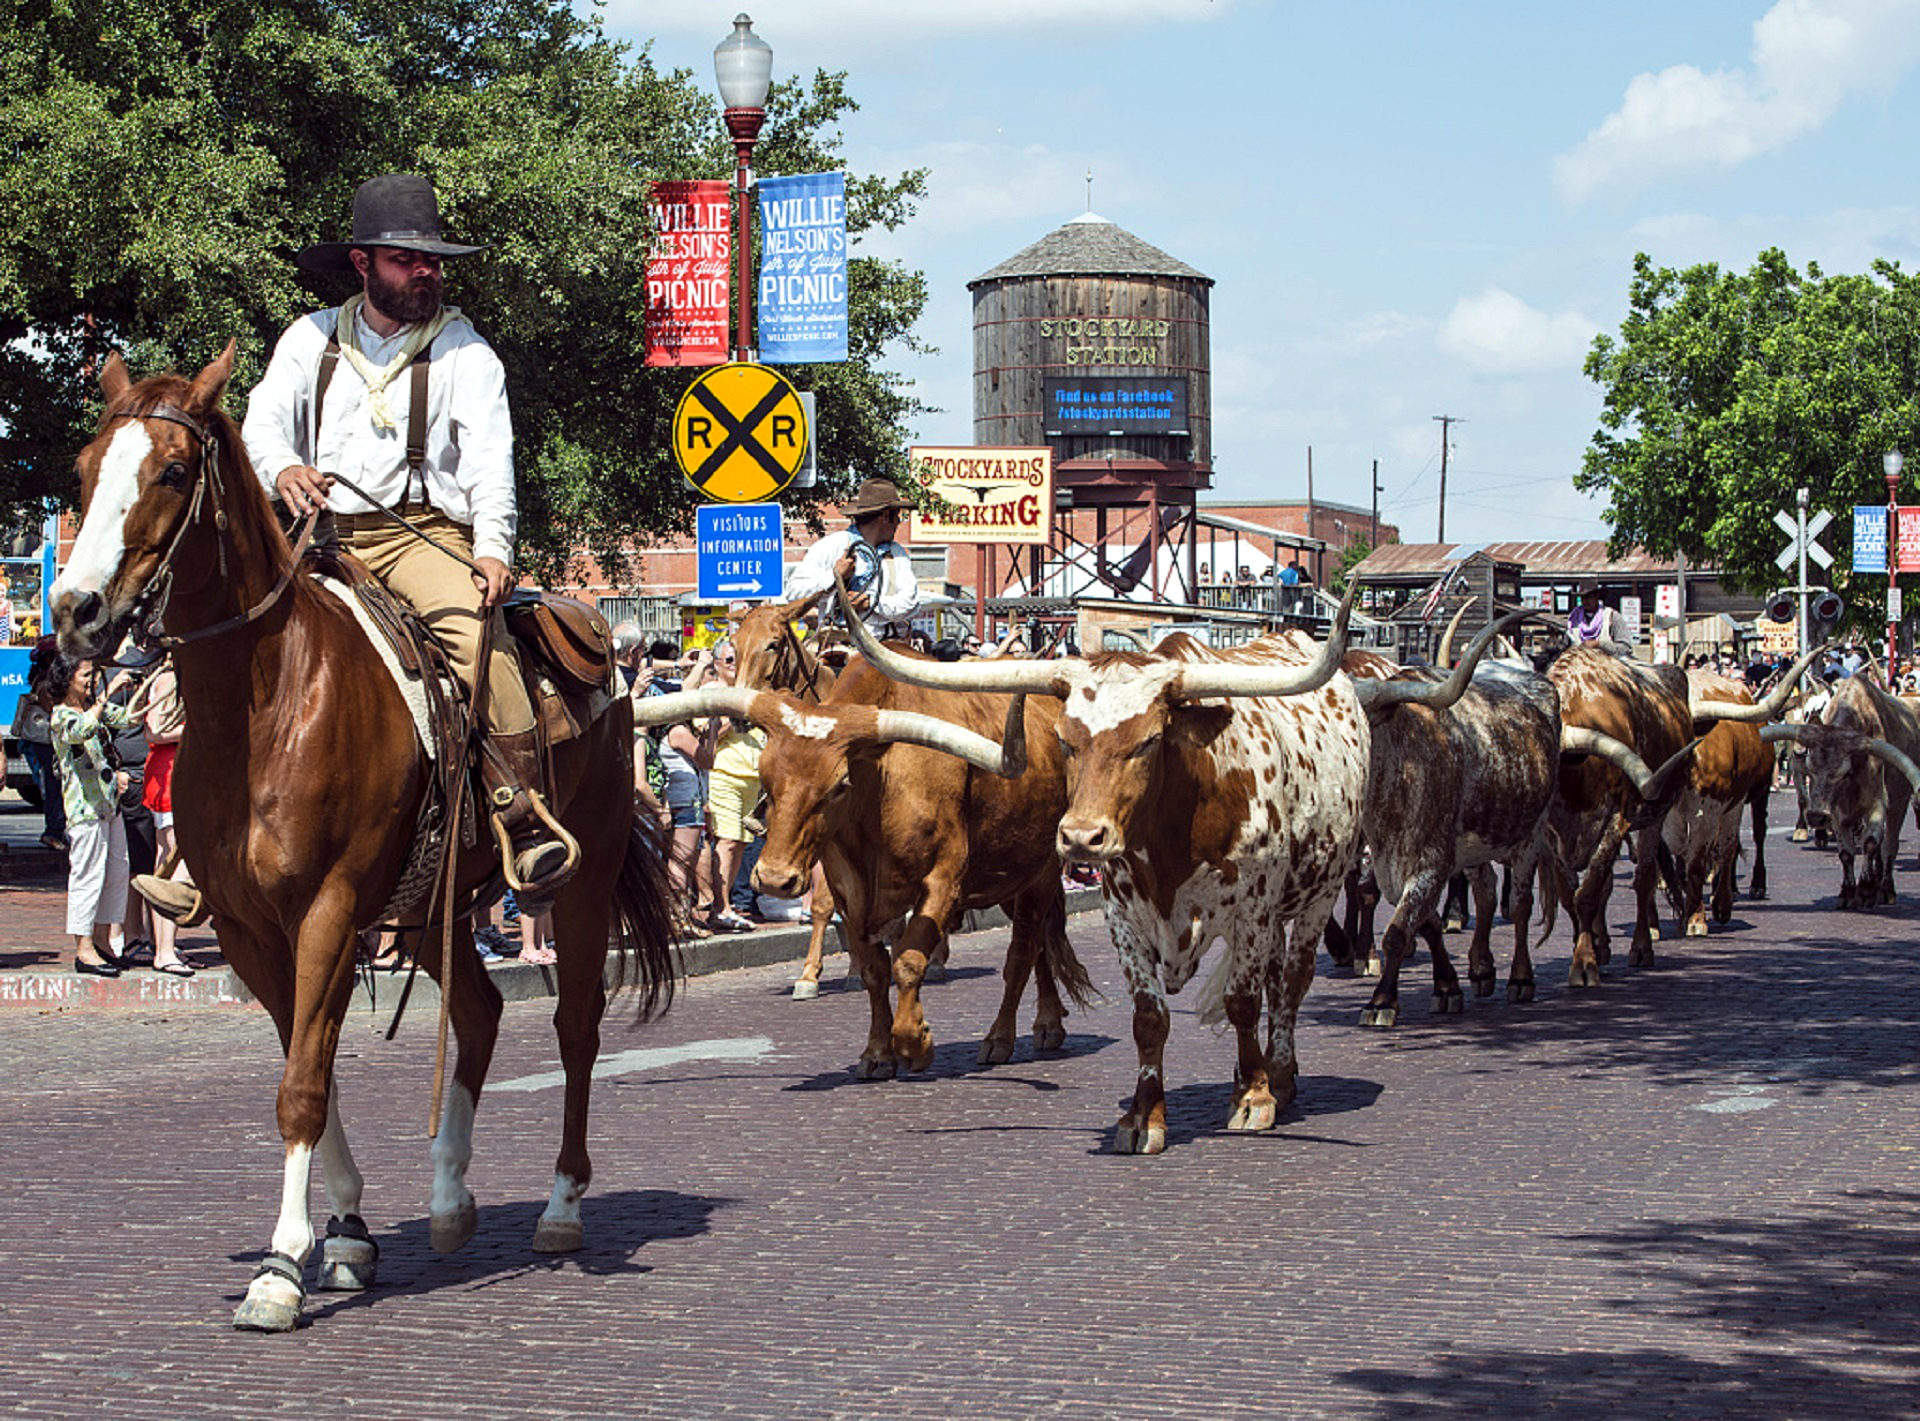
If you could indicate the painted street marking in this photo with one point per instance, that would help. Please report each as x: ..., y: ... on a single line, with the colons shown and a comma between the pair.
x: 626, y: 1063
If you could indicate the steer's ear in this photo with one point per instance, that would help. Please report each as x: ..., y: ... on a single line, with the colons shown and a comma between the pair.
x: 1202, y: 724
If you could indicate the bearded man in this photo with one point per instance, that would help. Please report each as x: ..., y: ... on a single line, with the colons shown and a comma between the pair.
x: 397, y: 392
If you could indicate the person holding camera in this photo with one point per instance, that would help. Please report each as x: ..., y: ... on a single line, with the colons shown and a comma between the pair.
x: 84, y: 719
x: 877, y: 570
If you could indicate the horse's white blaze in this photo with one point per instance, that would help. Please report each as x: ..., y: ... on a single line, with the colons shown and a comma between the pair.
x: 344, y: 1183
x: 563, y: 1205
x: 103, y: 541
x: 293, y: 1235
x: 452, y: 1153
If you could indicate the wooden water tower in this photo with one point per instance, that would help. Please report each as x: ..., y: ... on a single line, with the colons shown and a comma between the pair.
x: 1096, y: 343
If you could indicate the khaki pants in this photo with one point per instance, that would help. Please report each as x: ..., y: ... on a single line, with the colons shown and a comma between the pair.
x: 442, y: 591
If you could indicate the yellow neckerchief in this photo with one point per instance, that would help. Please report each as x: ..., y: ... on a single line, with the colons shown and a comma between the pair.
x: 378, y: 378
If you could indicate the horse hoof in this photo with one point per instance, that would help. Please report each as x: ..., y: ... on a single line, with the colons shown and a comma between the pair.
x: 1131, y: 1139
x: 875, y: 1068
x: 1696, y: 928
x: 1380, y: 1016
x: 1482, y: 986
x: 1449, y: 1003
x: 1372, y: 967
x: 1519, y: 991
x: 1799, y: 836
x: 995, y: 1051
x: 272, y: 1304
x: 348, y: 1266
x: 805, y: 991
x: 1049, y: 1036
x: 1583, y: 974
x: 449, y: 1233
x: 1454, y: 925
x: 558, y: 1236
x: 1253, y: 1115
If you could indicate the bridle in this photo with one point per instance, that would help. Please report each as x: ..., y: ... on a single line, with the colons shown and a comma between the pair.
x: 810, y: 672
x: 159, y: 587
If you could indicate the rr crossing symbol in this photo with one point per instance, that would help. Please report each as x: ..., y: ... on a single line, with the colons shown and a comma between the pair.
x: 1803, y: 537
x: 740, y: 432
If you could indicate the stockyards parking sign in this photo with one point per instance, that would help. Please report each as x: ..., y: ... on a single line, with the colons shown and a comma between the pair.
x: 984, y: 495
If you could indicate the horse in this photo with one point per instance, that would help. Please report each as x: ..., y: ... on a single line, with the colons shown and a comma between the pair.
x: 297, y: 790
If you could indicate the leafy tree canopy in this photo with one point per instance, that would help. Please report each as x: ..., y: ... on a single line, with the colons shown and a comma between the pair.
x: 161, y: 162
x: 1725, y: 392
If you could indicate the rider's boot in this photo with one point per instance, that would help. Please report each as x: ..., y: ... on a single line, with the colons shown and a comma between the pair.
x: 538, y: 854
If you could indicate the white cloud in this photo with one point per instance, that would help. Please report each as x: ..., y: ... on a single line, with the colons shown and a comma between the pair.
x: 1808, y: 57
x: 1495, y: 331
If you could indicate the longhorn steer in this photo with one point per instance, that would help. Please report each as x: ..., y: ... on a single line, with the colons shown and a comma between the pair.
x: 1849, y: 792
x: 1452, y: 789
x: 1731, y: 768
x: 917, y: 816
x: 1220, y: 792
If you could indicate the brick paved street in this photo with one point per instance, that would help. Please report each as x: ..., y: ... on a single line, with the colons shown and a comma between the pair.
x: 1692, y: 1193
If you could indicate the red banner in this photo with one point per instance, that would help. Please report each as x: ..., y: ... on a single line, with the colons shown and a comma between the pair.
x: 687, y: 287
x: 1908, y: 527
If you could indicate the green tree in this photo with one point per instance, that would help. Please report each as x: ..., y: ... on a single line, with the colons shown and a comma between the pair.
x: 161, y: 162
x: 1724, y: 392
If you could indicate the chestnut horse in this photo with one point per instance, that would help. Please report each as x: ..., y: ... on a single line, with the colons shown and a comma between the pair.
x: 297, y: 789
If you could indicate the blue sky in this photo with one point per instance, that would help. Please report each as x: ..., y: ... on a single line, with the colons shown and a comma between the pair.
x: 1409, y: 209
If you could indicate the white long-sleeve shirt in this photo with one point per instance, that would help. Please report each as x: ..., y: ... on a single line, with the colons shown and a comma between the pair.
x: 897, y: 597
x: 469, y: 465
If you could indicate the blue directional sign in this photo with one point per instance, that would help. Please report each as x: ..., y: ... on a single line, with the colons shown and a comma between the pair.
x: 741, y: 548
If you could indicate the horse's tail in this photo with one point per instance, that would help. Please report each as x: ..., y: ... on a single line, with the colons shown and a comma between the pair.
x: 646, y: 922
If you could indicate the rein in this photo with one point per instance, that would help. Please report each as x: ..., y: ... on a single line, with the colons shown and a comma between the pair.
x: 210, y: 479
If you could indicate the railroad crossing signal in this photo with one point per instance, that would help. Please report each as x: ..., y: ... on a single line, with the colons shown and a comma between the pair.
x: 740, y: 432
x: 1798, y: 536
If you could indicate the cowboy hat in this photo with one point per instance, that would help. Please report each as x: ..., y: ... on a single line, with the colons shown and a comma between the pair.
x: 393, y: 210
x: 875, y: 496
x: 1589, y: 588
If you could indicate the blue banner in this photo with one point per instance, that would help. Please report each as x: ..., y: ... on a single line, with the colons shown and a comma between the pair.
x: 1870, y: 537
x: 803, y: 268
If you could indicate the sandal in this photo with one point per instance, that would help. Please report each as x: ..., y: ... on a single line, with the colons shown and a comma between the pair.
x: 540, y: 954
x: 175, y: 968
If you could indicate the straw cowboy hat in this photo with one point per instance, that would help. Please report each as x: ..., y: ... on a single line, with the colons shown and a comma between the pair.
x: 875, y: 496
x: 393, y: 210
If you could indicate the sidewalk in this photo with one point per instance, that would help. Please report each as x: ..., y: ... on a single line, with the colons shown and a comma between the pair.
x: 36, y: 956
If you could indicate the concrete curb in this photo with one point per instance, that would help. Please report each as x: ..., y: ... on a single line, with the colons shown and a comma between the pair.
x: 62, y: 989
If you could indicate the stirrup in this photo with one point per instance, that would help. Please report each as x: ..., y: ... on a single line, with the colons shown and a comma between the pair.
x: 181, y: 903
x: 541, y: 890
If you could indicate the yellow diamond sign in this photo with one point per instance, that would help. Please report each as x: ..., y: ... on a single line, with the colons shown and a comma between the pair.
x: 740, y: 433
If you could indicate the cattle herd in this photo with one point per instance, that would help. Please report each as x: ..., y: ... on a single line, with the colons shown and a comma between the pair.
x: 1232, y: 795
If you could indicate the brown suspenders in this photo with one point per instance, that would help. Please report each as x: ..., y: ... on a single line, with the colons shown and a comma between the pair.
x: 416, y: 413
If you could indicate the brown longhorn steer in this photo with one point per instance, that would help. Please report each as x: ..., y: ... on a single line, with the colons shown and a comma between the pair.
x: 1848, y: 790
x: 901, y: 796
x: 772, y: 657
x: 1731, y: 769
x: 1220, y: 793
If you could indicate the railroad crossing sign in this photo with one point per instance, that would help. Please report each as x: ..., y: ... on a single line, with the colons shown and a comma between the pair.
x: 1802, y: 538
x: 740, y: 432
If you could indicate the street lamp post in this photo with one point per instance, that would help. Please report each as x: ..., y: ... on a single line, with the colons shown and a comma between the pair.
x: 743, y: 67
x: 1891, y: 463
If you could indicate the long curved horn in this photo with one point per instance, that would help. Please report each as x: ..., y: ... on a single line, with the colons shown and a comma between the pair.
x: 1896, y: 757
x: 1506, y: 650
x: 1780, y: 730
x: 1139, y: 642
x: 1377, y: 696
x: 677, y: 706
x: 1769, y: 705
x: 1443, y: 658
x: 1579, y: 740
x: 1008, y: 757
x: 1006, y: 675
x: 774, y: 712
x: 1206, y: 679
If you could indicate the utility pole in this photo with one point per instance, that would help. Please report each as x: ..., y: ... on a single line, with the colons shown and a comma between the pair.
x: 1375, y: 540
x: 1319, y: 566
x: 1447, y: 421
